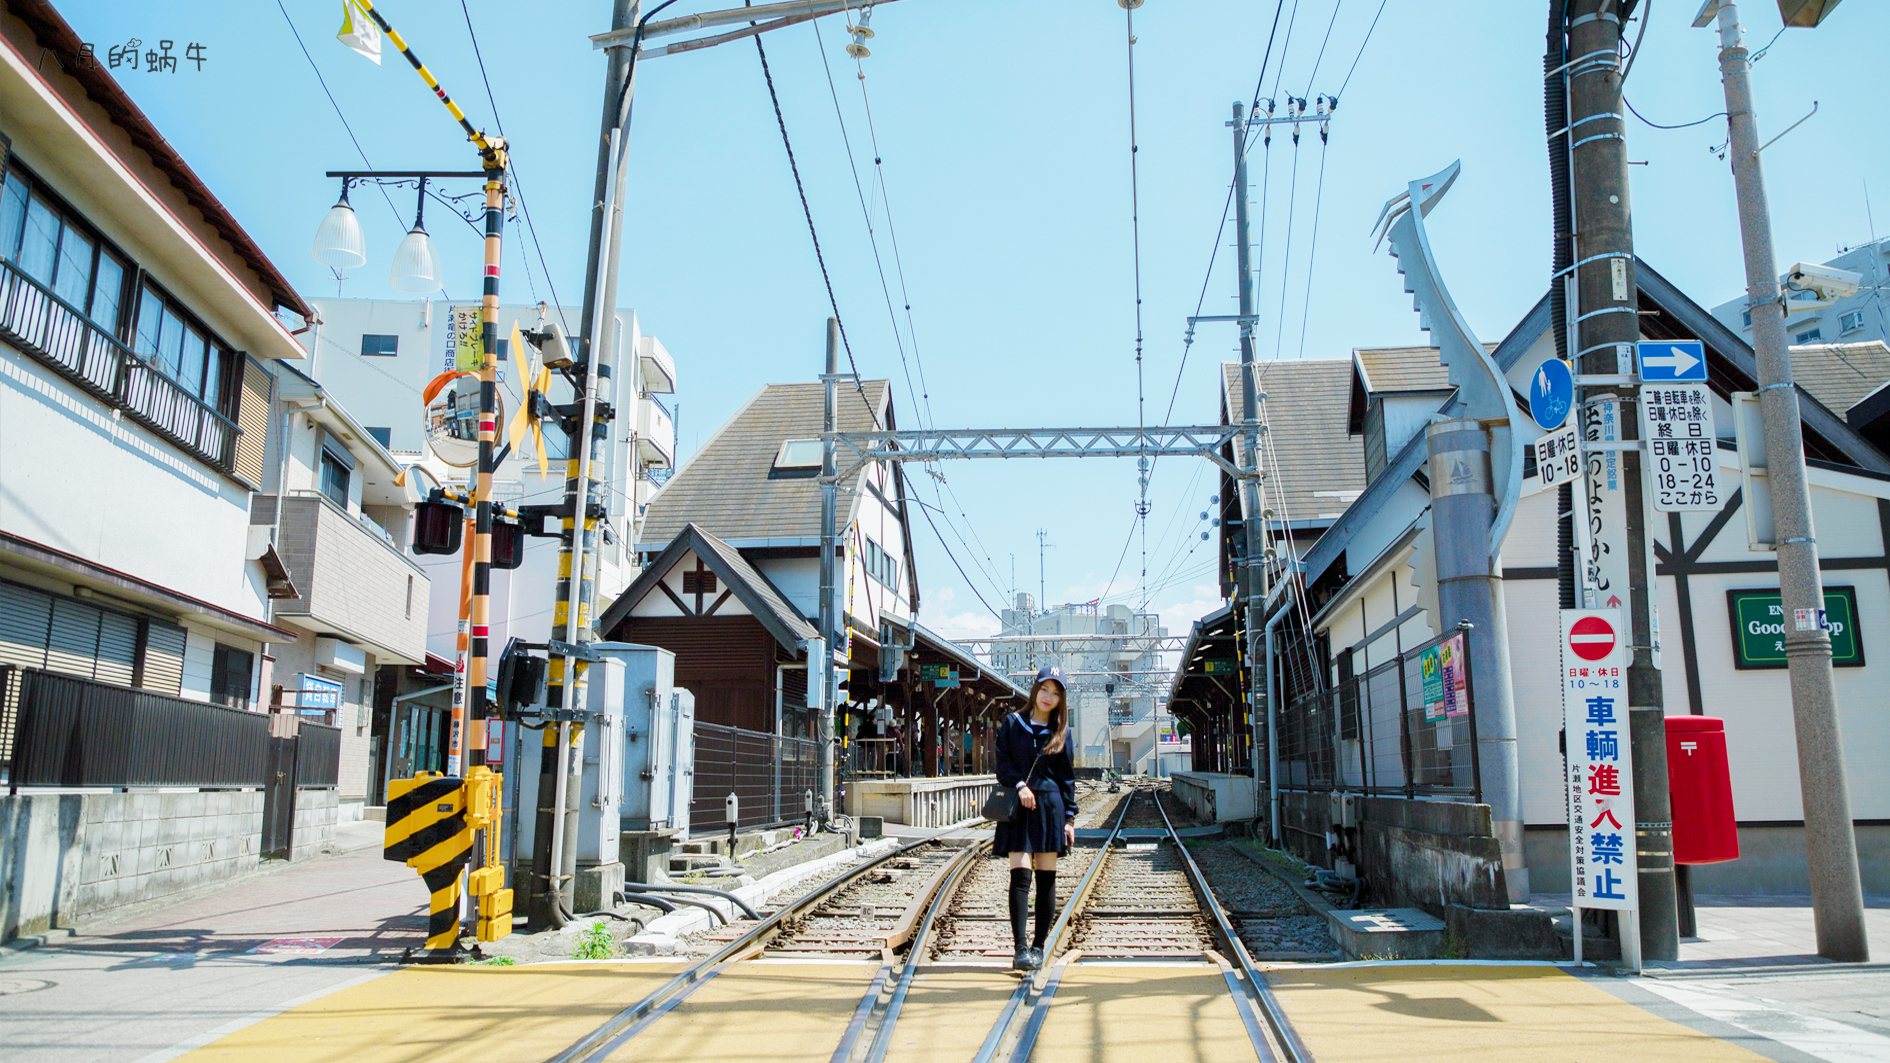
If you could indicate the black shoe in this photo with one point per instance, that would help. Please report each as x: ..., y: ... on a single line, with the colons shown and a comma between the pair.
x: 1022, y: 961
x: 1034, y: 958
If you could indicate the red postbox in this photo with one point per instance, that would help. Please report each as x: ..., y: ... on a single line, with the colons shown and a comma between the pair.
x: 1704, y: 831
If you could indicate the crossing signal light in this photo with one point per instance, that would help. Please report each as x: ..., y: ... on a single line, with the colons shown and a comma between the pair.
x: 437, y: 528
x: 508, y: 544
x: 522, y: 678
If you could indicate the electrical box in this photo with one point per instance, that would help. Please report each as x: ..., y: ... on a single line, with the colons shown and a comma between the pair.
x: 1755, y: 488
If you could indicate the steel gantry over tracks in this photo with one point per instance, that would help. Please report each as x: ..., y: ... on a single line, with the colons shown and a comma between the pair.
x: 942, y: 444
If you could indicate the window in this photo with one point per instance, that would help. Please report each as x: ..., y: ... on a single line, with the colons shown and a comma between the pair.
x: 797, y: 457
x: 180, y: 348
x: 379, y: 346
x: 410, y: 597
x: 881, y: 565
x: 48, y: 243
x: 1810, y: 335
x: 701, y: 582
x: 383, y: 436
x: 1746, y: 317
x: 1851, y: 322
x: 334, y: 478
x: 229, y: 677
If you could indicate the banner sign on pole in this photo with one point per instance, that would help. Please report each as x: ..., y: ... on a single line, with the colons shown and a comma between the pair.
x: 1682, y: 464
x: 1600, y: 780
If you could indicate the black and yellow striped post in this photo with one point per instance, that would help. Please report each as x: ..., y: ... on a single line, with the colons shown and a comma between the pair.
x: 428, y: 830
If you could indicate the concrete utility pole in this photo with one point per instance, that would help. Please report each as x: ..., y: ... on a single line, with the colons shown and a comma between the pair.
x: 554, y: 856
x: 1837, y: 897
x: 830, y: 618
x: 1259, y: 669
x: 1607, y: 317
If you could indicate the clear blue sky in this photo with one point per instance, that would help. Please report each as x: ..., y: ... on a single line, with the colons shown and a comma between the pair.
x: 1003, y: 133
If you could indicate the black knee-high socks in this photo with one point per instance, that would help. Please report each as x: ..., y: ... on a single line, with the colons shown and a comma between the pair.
x: 1046, y: 906
x: 1020, y: 903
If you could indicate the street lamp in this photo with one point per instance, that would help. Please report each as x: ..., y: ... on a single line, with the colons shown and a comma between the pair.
x: 338, y: 241
x: 416, y: 267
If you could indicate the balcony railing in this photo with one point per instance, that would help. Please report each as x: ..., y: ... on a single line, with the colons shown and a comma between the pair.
x: 47, y: 327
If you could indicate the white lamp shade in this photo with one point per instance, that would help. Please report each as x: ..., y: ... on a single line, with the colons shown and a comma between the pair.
x: 338, y: 242
x: 416, y: 267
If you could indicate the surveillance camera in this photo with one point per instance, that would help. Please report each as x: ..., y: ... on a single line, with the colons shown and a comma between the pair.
x: 1825, y: 282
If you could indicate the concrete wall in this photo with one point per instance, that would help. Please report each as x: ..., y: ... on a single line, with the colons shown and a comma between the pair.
x: 920, y: 802
x: 1430, y: 855
x: 71, y: 856
x: 1216, y: 798
x: 65, y: 858
x: 1771, y: 861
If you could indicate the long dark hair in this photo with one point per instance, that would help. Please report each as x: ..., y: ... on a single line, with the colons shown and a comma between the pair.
x: 1059, y: 716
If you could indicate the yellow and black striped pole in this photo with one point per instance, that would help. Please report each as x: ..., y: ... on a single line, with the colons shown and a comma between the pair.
x: 475, y: 789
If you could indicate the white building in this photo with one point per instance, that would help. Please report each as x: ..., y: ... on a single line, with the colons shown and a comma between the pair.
x: 1118, y: 682
x: 377, y: 356
x: 1860, y: 318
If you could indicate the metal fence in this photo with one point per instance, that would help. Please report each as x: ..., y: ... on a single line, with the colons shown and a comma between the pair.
x: 73, y: 732
x: 48, y: 327
x: 1378, y: 733
x: 768, y: 774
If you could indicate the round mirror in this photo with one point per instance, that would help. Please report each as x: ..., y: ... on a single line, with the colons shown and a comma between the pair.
x: 452, y: 421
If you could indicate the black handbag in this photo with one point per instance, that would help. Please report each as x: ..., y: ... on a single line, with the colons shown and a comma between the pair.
x: 1002, y: 806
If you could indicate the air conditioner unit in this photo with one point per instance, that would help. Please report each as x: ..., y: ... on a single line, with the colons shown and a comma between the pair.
x: 340, y: 656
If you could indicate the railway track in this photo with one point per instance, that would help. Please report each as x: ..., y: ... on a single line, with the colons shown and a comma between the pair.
x: 1137, y: 897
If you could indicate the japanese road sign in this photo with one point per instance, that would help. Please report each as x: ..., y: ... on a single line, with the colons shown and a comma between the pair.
x: 1682, y: 459
x: 1551, y: 393
x: 1602, y: 510
x: 1559, y: 456
x: 1599, y: 785
x: 1672, y: 361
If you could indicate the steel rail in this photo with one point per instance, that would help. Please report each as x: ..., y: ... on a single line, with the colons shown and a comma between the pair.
x: 614, y: 1031
x: 1281, y: 1028
x: 1030, y: 989
x: 940, y: 899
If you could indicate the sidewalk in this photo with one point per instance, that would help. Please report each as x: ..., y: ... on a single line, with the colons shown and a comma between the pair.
x: 152, y: 985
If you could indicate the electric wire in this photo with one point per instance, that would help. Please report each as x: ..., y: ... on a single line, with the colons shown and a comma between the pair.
x: 1312, y: 250
x: 518, y: 183
x: 1144, y: 469
x: 359, y: 150
x: 1361, y: 47
x: 1683, y: 125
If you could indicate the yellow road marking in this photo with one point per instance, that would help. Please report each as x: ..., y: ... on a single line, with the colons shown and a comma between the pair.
x: 1472, y: 1014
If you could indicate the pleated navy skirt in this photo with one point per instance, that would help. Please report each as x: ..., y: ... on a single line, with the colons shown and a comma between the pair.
x: 1038, y: 830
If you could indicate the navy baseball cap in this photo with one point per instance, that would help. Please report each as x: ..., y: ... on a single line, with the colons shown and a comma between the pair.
x: 1052, y: 672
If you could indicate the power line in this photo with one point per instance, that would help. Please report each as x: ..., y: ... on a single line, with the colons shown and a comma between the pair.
x: 1361, y: 47
x: 518, y: 183
x: 359, y: 150
x: 1312, y: 251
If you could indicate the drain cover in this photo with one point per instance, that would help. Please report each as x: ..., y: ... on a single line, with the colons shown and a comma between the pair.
x: 23, y: 985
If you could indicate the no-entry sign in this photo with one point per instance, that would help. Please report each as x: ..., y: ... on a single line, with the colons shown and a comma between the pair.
x: 1591, y: 638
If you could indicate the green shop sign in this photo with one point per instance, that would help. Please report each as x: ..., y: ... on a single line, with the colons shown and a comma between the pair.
x: 1759, y: 625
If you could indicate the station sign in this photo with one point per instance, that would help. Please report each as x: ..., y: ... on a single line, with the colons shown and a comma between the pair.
x: 1219, y: 666
x: 940, y: 675
x: 1682, y: 459
x: 1599, y: 785
x: 1759, y: 624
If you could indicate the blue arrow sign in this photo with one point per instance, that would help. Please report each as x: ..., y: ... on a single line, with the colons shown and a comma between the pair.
x: 1672, y: 361
x: 1551, y: 393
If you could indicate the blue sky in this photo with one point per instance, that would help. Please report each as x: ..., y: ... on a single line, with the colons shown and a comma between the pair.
x: 1001, y: 131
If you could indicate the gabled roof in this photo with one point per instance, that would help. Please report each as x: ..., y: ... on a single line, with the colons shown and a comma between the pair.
x: 1383, y: 369
x: 725, y: 488
x: 1321, y: 468
x: 1667, y: 314
x: 754, y: 590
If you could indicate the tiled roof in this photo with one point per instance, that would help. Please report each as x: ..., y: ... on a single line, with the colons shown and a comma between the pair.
x: 725, y: 489
x: 1401, y: 369
x: 1319, y: 469
x: 1840, y: 375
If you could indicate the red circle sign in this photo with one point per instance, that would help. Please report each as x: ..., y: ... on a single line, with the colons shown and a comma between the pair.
x: 1591, y: 637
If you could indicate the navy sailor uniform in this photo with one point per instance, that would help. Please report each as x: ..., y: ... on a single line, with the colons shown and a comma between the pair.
x: 1038, y: 830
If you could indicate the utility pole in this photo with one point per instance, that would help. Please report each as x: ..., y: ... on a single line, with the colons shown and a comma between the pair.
x: 830, y: 620
x: 1043, y: 603
x: 1837, y: 898
x: 1607, y: 317
x: 1259, y: 671
x: 554, y: 856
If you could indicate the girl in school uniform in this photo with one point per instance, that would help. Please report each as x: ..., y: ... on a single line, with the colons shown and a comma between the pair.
x: 1033, y: 757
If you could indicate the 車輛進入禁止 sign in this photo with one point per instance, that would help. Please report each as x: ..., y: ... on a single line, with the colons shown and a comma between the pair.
x: 1759, y: 623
